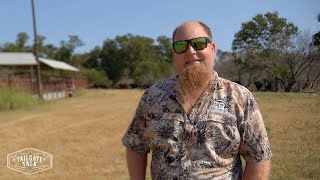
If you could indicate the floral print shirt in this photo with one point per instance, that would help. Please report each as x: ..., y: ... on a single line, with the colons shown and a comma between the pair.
x: 204, y: 144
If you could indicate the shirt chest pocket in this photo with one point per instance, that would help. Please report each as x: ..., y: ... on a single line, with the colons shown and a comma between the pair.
x: 225, y: 119
x: 221, y: 132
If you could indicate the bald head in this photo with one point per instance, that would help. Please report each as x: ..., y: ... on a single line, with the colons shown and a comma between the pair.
x: 204, y: 26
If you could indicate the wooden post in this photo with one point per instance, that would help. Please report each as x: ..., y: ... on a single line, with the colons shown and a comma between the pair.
x: 39, y: 82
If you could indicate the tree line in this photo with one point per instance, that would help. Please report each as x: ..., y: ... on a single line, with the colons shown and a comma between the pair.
x: 268, y: 53
x: 128, y: 60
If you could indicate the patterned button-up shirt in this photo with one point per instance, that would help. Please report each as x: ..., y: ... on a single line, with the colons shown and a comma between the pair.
x: 204, y: 144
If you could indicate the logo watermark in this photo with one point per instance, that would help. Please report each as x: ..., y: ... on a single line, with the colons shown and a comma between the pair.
x: 29, y: 161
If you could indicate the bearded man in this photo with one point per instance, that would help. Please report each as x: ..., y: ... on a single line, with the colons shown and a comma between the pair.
x: 197, y: 125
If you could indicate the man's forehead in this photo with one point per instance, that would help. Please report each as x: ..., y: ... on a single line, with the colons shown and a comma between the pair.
x: 188, y: 25
x: 189, y: 30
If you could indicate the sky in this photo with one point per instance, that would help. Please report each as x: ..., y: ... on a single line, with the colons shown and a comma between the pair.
x: 97, y: 20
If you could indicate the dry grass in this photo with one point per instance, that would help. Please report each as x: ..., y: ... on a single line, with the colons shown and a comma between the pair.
x: 293, y: 122
x: 84, y: 134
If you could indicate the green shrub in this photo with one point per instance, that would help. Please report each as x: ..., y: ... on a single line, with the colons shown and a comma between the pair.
x: 96, y: 76
x: 10, y: 100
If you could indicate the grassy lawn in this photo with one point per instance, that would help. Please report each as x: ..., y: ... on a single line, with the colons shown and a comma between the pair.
x: 293, y: 124
x: 84, y: 134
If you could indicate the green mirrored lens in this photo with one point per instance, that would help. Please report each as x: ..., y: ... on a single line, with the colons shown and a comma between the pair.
x: 181, y: 46
x: 199, y: 43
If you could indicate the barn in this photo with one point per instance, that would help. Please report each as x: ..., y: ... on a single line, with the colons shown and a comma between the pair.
x: 59, y: 79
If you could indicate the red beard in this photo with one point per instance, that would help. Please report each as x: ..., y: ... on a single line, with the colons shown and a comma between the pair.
x: 193, y: 79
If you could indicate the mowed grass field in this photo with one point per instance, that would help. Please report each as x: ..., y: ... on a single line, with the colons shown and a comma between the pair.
x: 84, y: 134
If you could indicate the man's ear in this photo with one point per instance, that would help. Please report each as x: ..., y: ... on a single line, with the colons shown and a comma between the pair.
x: 213, y: 46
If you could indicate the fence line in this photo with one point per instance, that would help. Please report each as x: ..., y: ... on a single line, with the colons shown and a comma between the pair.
x: 58, y: 87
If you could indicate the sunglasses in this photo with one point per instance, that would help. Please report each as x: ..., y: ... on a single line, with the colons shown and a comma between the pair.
x: 199, y: 43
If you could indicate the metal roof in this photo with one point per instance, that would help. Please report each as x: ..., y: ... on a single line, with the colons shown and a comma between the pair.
x: 17, y: 59
x: 21, y: 59
x: 58, y: 64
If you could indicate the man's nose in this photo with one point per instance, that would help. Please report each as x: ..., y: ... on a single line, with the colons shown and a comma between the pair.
x: 190, y: 49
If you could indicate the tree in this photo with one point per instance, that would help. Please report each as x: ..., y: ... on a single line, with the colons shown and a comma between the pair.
x: 96, y: 77
x: 124, y: 58
x: 264, y: 32
x: 304, y: 60
x: 128, y: 58
x: 227, y: 66
x: 164, y: 49
x: 94, y: 58
x: 120, y: 56
x: 66, y: 49
x: 260, y: 44
x: 111, y: 61
x: 316, y: 36
x: 10, y: 47
x: 41, y: 46
x: 146, y: 73
x: 21, y: 40
x: 49, y: 51
x: 134, y: 49
x: 19, y: 46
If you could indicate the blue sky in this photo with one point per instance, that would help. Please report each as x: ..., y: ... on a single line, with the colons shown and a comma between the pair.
x: 96, y: 20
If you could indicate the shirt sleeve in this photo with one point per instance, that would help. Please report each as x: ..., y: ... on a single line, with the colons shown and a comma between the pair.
x: 134, y: 137
x: 254, y: 146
